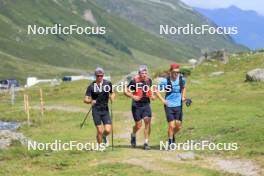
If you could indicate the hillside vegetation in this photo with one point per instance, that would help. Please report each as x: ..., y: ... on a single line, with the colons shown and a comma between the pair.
x: 225, y: 109
x: 122, y: 48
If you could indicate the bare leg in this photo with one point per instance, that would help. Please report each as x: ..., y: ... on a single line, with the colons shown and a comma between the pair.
x: 147, y: 129
x: 171, y: 129
x: 137, y: 126
x: 107, y: 129
x: 99, y: 135
x: 178, y: 126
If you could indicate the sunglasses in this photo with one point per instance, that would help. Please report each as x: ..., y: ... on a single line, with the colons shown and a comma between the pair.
x: 174, y: 72
x: 143, y: 72
x: 99, y: 76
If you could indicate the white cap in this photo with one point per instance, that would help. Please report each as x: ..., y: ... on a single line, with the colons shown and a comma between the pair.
x: 142, y: 68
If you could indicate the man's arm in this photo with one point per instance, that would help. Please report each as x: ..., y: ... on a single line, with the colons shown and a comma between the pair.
x: 112, y: 96
x: 184, y: 94
x: 161, y: 98
x: 153, y: 89
x: 161, y: 86
x: 112, y: 93
x: 88, y: 96
x: 128, y: 93
x: 184, y: 90
x: 87, y: 99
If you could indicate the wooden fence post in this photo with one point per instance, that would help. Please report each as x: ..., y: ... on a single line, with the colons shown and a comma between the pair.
x: 41, y: 102
x: 26, y: 101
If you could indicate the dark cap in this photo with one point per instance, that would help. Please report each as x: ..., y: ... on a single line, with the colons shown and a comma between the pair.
x: 99, y: 71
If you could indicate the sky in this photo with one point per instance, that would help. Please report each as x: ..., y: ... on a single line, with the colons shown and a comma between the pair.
x: 256, y: 5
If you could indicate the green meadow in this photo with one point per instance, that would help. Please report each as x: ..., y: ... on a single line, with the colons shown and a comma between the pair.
x: 225, y: 109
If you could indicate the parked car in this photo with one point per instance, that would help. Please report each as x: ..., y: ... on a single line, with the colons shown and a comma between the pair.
x: 8, y: 83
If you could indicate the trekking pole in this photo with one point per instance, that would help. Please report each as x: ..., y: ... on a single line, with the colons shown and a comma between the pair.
x: 81, y: 125
x: 112, y: 125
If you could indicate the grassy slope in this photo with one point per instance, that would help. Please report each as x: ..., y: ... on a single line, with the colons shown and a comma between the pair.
x: 149, y: 15
x: 225, y: 109
x: 77, y: 52
x: 13, y: 67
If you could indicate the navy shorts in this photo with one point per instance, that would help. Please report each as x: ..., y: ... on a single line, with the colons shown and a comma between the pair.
x: 101, y: 114
x: 139, y: 112
x: 173, y: 113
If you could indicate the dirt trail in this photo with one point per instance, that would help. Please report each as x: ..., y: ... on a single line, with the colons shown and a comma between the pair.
x: 156, y: 160
x: 241, y: 166
x: 163, y: 161
x: 123, y: 132
x: 63, y: 107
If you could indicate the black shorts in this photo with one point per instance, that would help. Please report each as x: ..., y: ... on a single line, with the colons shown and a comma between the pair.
x: 173, y: 113
x: 139, y: 112
x: 101, y: 114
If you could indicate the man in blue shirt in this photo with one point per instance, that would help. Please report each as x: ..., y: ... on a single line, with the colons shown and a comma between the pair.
x: 175, y: 89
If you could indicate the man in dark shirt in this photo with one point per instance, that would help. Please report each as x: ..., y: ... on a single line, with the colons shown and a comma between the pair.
x: 139, y: 90
x: 98, y: 94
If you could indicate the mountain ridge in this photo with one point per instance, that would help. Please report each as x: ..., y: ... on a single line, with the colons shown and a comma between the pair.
x: 249, y: 23
x: 149, y: 15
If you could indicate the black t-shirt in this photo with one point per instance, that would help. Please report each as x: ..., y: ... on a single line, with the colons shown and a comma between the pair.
x: 100, y: 93
x: 132, y: 87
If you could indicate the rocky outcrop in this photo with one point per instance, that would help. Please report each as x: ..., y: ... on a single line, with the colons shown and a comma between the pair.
x: 7, y: 136
x: 255, y: 75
